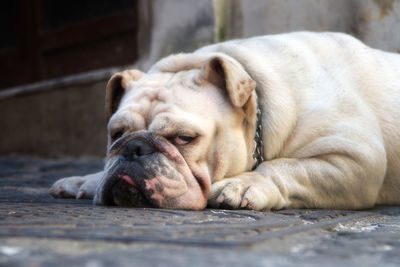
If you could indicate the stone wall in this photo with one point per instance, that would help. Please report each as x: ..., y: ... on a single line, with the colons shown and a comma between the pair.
x: 376, y: 22
x: 59, y: 122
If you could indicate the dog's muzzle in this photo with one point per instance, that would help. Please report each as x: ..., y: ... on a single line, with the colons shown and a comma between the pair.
x: 124, y: 184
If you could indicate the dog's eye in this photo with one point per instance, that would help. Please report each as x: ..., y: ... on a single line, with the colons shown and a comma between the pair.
x: 183, y: 140
x: 116, y: 135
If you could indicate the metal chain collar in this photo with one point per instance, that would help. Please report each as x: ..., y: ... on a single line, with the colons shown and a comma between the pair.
x: 258, y: 142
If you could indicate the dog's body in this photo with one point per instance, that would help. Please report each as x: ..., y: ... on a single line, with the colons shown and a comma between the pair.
x: 184, y: 132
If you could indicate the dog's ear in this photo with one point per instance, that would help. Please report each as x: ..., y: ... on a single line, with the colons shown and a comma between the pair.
x: 231, y: 77
x: 117, y: 86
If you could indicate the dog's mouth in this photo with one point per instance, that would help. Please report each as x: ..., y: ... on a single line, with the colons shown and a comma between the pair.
x: 148, y: 171
x: 134, y: 183
x: 123, y: 188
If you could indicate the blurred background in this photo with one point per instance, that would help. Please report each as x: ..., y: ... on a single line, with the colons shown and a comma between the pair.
x: 57, y: 55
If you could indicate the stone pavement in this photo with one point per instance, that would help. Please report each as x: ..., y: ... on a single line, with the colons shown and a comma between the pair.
x: 37, y: 230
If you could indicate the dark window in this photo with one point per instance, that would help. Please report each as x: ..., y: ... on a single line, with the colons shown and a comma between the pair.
x: 7, y: 26
x: 61, y: 13
x: 44, y: 39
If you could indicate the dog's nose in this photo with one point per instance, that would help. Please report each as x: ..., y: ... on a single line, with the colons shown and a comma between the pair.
x: 137, y: 148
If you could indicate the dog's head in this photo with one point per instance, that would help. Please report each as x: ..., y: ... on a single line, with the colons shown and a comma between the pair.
x: 188, y: 122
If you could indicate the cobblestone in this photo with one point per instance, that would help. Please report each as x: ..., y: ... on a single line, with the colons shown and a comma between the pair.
x: 37, y: 230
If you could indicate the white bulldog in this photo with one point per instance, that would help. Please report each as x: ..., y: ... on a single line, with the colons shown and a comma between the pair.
x: 187, y: 133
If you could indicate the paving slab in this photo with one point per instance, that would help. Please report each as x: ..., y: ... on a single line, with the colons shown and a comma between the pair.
x: 37, y: 230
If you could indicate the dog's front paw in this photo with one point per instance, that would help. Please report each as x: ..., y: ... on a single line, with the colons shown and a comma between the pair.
x: 75, y: 187
x: 238, y: 193
x: 67, y: 187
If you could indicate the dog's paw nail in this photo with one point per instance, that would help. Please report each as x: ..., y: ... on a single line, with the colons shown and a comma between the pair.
x: 81, y: 194
x: 245, y: 203
x: 221, y: 198
x: 58, y: 191
x: 51, y: 191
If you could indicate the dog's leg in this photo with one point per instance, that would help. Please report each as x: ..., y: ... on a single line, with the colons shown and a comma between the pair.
x: 327, y: 181
x: 76, y: 186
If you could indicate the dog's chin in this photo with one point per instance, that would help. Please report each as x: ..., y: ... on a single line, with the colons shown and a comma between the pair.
x: 124, y: 194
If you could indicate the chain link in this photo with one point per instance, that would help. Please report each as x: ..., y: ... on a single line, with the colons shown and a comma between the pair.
x: 258, y: 141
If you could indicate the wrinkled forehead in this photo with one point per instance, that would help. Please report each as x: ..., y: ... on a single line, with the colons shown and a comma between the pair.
x: 165, y: 97
x: 161, y: 86
x: 168, y: 80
